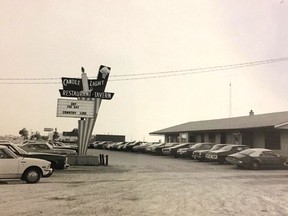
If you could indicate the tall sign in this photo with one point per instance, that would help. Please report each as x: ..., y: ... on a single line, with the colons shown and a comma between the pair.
x: 88, y: 94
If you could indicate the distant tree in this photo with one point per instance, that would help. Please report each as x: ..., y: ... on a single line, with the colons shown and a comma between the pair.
x: 36, y: 136
x: 75, y: 132
x: 24, y: 133
x: 55, y: 135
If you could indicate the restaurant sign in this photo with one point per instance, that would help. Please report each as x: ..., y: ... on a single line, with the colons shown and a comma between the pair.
x: 88, y: 94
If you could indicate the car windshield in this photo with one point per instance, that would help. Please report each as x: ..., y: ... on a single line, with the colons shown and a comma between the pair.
x: 182, y: 144
x: 49, y: 145
x: 169, y: 144
x: 227, y: 148
x: 217, y: 147
x: 13, y: 154
x: 20, y: 150
x: 196, y: 145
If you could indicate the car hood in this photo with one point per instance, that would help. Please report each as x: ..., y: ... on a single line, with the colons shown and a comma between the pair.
x: 201, y: 151
x: 217, y: 151
x: 183, y: 149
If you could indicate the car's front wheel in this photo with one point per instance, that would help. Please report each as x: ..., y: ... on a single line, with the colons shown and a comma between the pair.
x: 32, y: 175
x: 255, y: 165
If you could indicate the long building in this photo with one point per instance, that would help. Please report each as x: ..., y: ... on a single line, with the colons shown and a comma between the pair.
x: 257, y: 131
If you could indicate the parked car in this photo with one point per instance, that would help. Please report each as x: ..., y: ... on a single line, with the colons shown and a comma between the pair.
x: 46, y: 148
x: 257, y: 158
x: 200, y: 154
x: 61, y: 145
x: 129, y: 146
x: 151, y: 148
x: 173, y: 150
x: 198, y: 146
x: 58, y: 162
x: 221, y: 154
x: 140, y: 148
x: 158, y: 149
x: 116, y: 146
x: 29, y: 170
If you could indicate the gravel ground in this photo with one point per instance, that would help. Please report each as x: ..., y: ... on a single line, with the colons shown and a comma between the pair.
x: 137, y: 184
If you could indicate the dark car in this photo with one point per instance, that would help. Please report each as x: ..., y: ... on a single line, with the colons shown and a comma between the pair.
x: 58, y: 162
x: 200, y: 154
x: 221, y: 154
x: 142, y: 147
x: 257, y: 158
x: 129, y: 146
x: 198, y: 146
x: 158, y: 149
x: 152, y: 148
x: 173, y: 150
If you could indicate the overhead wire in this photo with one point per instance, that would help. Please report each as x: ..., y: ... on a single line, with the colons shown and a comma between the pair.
x: 154, y: 75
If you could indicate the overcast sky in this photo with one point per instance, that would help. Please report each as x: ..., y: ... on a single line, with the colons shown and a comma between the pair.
x: 48, y: 40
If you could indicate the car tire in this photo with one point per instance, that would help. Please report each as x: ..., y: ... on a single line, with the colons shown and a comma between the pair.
x: 240, y: 166
x: 32, y: 175
x: 255, y: 165
x: 221, y: 161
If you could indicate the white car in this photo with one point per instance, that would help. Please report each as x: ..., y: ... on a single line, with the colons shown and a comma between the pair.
x: 29, y: 170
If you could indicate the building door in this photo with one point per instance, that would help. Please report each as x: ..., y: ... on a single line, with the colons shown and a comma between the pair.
x: 247, y: 138
x: 222, y: 138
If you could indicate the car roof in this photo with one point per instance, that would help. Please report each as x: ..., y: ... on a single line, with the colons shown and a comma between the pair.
x: 260, y: 149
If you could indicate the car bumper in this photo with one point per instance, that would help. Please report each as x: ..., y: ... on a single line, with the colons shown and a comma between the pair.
x: 66, y: 166
x: 182, y: 154
x: 47, y: 172
x: 199, y: 157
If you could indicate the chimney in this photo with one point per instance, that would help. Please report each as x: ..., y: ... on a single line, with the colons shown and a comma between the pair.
x: 251, y: 113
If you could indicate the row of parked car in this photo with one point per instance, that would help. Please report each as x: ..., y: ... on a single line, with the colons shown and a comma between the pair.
x: 239, y: 155
x: 32, y: 160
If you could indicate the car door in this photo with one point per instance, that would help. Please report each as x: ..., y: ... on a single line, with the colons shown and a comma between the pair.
x: 8, y: 165
x: 270, y: 159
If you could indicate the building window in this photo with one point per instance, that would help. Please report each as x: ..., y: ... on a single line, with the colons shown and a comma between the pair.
x: 223, y: 138
x: 202, y: 137
x: 272, y: 140
x: 192, y: 138
x: 212, y: 138
x: 183, y: 138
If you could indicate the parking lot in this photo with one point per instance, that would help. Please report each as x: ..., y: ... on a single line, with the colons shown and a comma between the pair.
x: 141, y: 184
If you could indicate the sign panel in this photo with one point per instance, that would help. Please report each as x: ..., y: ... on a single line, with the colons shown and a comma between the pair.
x: 88, y: 94
x: 75, y: 108
x: 95, y: 85
x: 48, y: 129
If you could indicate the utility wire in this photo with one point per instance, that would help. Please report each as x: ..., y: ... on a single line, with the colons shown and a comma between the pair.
x: 156, y: 74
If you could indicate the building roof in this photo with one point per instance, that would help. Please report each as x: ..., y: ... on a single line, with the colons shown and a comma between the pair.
x: 276, y: 120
